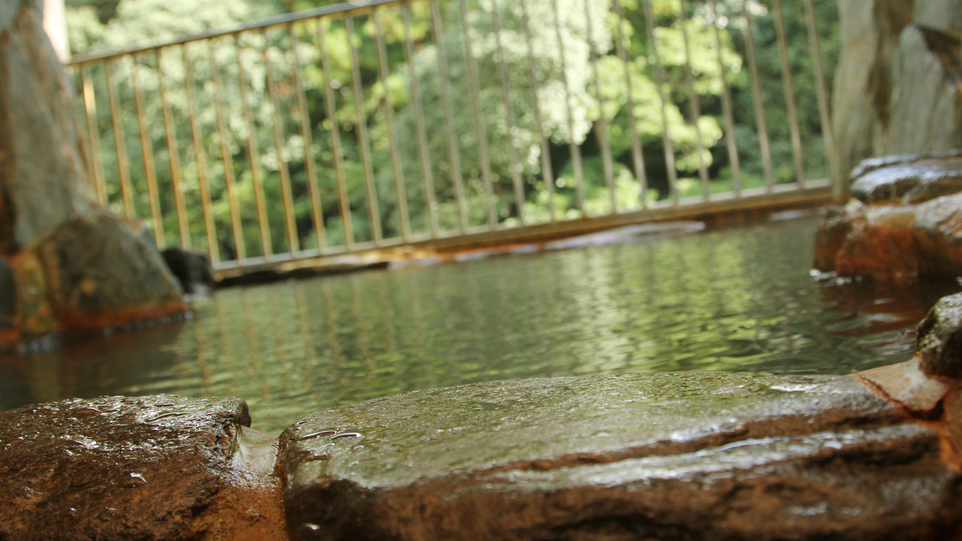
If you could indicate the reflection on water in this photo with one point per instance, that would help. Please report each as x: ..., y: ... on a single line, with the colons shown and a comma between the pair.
x: 737, y: 299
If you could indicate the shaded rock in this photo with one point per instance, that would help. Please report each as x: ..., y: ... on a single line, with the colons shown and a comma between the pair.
x: 647, y: 456
x: 927, y: 111
x: 943, y: 15
x: 908, y: 183
x: 939, y: 342
x: 42, y: 169
x: 99, y: 273
x: 899, y: 79
x: 193, y: 270
x: 159, y: 467
x: 862, y: 92
x: 8, y: 296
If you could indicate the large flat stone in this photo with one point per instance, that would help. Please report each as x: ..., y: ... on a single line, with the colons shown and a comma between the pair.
x: 159, y: 467
x: 695, y: 455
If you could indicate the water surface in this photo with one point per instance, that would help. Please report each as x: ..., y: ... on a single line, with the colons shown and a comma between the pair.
x: 737, y: 299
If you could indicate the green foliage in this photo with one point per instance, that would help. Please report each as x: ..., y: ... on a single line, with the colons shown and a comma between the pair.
x: 582, y: 87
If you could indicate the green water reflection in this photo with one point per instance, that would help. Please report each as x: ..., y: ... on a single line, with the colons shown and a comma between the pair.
x: 737, y: 300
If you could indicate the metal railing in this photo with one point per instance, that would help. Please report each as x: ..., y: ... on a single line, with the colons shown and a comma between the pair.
x: 354, y: 127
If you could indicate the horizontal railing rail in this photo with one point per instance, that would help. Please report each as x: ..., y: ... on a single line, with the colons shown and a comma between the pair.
x: 355, y: 127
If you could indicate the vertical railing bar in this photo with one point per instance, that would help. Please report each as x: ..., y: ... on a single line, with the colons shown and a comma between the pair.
x: 225, y: 156
x: 403, y: 215
x: 636, y: 154
x: 307, y: 136
x: 455, y: 156
x: 200, y: 159
x: 694, y: 108
x: 419, y: 124
x: 727, y: 108
x: 373, y: 210
x: 173, y: 151
x: 506, y: 99
x: 789, y: 87
x: 546, y: 171
x: 253, y: 155
x: 344, y: 204
x: 822, y: 93
x: 93, y: 131
x: 573, y: 145
x: 119, y: 143
x: 660, y: 82
x: 147, y: 152
x: 757, y: 99
x: 285, y: 175
x: 602, y: 133
x: 479, y: 130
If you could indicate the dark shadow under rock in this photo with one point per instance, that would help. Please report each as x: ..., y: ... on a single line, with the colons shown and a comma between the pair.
x: 939, y: 343
x: 193, y: 270
x: 694, y: 455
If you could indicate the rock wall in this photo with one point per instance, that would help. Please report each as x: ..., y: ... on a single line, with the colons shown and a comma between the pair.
x: 898, y: 86
x: 69, y: 264
x: 863, y: 79
x: 42, y: 172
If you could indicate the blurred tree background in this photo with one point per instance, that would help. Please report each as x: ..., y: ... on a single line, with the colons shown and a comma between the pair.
x: 577, y: 109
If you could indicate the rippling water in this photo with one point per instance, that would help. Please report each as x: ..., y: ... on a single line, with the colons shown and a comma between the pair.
x: 738, y: 299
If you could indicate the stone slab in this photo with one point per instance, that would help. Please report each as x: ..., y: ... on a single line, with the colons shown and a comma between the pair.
x: 695, y: 455
x: 158, y: 467
x: 910, y: 183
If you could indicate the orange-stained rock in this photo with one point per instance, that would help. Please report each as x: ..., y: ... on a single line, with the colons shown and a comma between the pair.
x: 877, y: 242
x: 907, y: 385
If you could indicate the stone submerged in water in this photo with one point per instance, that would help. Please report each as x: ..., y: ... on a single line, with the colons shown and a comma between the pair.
x: 647, y: 456
x: 114, y: 468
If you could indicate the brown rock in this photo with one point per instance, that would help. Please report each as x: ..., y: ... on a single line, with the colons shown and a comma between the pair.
x: 159, y: 467
x: 101, y: 274
x: 42, y: 171
x: 647, y: 456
